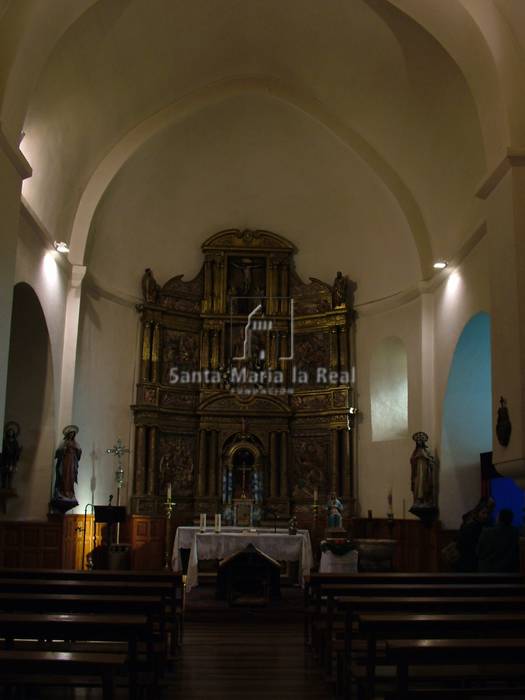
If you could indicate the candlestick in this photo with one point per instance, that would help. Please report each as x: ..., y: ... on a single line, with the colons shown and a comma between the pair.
x: 315, y: 494
x: 168, y: 509
x: 218, y: 522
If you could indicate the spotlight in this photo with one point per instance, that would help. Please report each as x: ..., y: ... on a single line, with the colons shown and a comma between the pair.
x: 440, y: 265
x: 61, y: 247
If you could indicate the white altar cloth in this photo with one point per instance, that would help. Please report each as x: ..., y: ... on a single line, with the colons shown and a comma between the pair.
x: 211, y: 545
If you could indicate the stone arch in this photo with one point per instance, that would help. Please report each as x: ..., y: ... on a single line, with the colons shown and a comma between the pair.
x: 30, y: 402
x: 222, y: 90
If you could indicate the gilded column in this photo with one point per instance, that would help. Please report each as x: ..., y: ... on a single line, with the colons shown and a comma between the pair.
x: 284, y: 466
x: 273, y: 464
x: 205, y: 352
x: 215, y: 349
x: 284, y: 288
x: 201, y: 478
x: 146, y: 351
x: 140, y: 459
x: 335, y: 461
x: 155, y: 359
x: 343, y: 348
x: 334, y: 350
x: 272, y: 355
x: 213, y: 464
x: 271, y: 286
x: 347, y: 467
x: 208, y: 291
x: 152, y: 461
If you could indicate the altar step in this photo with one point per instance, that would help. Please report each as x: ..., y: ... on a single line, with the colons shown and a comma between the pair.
x: 201, y: 606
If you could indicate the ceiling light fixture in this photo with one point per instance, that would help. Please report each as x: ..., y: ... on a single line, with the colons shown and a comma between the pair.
x: 61, y: 246
x: 440, y: 265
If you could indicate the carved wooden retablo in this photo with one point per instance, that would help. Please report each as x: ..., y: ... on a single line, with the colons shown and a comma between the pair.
x: 245, y: 385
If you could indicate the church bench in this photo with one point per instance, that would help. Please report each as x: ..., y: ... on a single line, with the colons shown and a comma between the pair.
x: 330, y: 591
x: 17, y: 667
x: 163, y: 589
x: 492, y: 655
x: 114, y: 576
x: 353, y: 606
x: 375, y: 627
x: 151, y: 606
x: 91, y: 627
x: 314, y: 596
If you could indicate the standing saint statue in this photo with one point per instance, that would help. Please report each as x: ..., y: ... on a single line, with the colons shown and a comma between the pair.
x: 67, y: 457
x: 11, y: 451
x: 335, y: 509
x: 150, y: 288
x: 339, y: 291
x: 423, y: 479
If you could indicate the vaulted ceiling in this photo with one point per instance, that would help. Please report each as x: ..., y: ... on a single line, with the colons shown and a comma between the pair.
x: 365, y: 124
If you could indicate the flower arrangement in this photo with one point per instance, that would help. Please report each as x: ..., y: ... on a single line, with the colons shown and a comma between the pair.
x: 339, y: 546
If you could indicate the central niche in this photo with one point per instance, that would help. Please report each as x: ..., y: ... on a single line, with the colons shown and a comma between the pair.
x: 224, y: 450
x: 243, y: 480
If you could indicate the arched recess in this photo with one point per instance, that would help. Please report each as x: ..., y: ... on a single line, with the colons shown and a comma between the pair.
x: 467, y: 419
x: 221, y: 90
x: 30, y: 402
x: 389, y: 390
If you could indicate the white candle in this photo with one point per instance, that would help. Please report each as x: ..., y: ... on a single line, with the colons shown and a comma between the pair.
x: 218, y: 522
x: 168, y: 492
x: 315, y: 495
x: 203, y: 521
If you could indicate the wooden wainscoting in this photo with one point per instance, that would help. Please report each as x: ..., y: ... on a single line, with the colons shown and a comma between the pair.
x: 147, y: 542
x: 31, y: 544
x: 73, y: 534
x: 418, y: 547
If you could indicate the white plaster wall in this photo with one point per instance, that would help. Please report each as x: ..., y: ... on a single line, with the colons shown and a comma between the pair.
x: 10, y: 185
x: 464, y: 293
x: 385, y: 465
x: 104, y: 391
x: 48, y: 274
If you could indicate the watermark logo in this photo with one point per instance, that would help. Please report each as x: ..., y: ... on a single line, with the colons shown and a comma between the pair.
x: 257, y: 322
x: 253, y: 331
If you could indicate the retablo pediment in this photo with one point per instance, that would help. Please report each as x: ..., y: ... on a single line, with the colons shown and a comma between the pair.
x: 252, y: 240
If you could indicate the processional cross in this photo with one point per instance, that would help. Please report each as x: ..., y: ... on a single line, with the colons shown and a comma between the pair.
x: 118, y: 450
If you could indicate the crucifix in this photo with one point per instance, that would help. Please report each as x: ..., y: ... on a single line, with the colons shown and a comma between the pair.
x: 118, y: 450
x: 243, y: 468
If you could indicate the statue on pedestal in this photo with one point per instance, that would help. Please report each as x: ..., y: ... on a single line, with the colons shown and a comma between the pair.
x: 423, y: 480
x: 11, y: 451
x: 150, y: 288
x: 67, y: 457
x: 335, y: 508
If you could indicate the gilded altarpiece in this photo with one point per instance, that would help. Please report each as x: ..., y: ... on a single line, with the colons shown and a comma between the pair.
x: 223, y: 419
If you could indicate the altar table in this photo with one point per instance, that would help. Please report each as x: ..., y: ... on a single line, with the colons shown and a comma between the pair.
x: 211, y: 545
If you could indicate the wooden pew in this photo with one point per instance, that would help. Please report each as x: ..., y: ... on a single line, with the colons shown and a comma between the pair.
x: 409, y: 653
x: 353, y: 606
x: 317, y: 581
x: 331, y: 591
x: 165, y: 576
x: 375, y: 627
x: 121, y: 588
x: 92, y: 627
x: 18, y: 666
